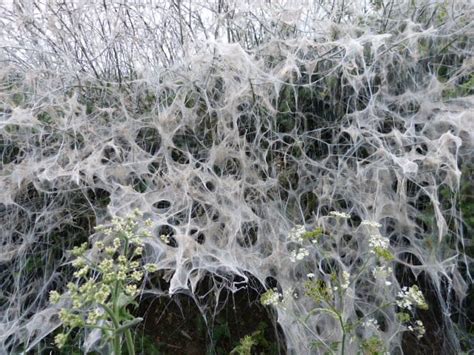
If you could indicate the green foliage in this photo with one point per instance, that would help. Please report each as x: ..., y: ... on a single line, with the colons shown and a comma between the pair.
x: 333, y: 347
x: 466, y: 196
x: 220, y: 332
x: 373, y: 346
x: 246, y: 344
x: 442, y: 13
x: 384, y: 253
x: 145, y: 345
x: 106, y: 285
x: 314, y: 234
x: 465, y: 88
x: 329, y: 294
x: 45, y: 118
x: 318, y: 291
x: 403, y: 317
x: 256, y: 339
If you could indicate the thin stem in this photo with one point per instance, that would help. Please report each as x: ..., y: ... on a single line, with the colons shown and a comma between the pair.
x: 343, y: 335
x: 117, y: 340
x: 129, y: 341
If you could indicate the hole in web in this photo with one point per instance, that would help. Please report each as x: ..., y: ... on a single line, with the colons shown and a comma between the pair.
x: 166, y: 234
x: 198, y: 236
x: 249, y: 233
x: 162, y: 205
x: 148, y: 139
x: 179, y: 156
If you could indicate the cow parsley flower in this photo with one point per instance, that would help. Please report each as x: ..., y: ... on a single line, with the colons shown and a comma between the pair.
x: 419, y: 329
x: 383, y: 273
x: 345, y: 280
x: 78, y: 251
x: 60, y: 340
x: 117, y: 243
x: 409, y: 297
x: 138, y: 241
x: 372, y: 224
x: 131, y: 290
x: 340, y: 214
x: 99, y: 245
x: 110, y: 250
x: 271, y: 297
x: 93, y: 317
x: 82, y: 272
x: 377, y: 241
x: 102, y: 295
x: 344, y: 283
x: 296, y: 234
x: 151, y: 267
x: 121, y: 276
x: 137, y: 275
x: 105, y: 277
x: 54, y: 297
x: 298, y: 254
x: 371, y: 323
x: 379, y: 246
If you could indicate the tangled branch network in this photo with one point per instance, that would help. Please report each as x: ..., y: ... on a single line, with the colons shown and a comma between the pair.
x: 228, y: 123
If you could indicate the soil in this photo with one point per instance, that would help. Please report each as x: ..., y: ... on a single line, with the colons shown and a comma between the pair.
x: 175, y: 325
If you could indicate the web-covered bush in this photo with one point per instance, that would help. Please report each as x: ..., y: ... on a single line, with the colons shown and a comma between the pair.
x: 228, y: 124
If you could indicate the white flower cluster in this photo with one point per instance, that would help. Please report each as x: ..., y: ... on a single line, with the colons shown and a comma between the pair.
x: 377, y: 241
x: 271, y: 297
x: 165, y: 238
x: 151, y: 267
x: 372, y: 224
x: 340, y: 214
x: 346, y: 280
x: 371, y: 323
x: 94, y: 316
x: 296, y: 234
x: 288, y: 294
x: 298, y: 254
x: 382, y: 273
x: 409, y: 297
x: 124, y: 228
x: 113, y: 273
x: 418, y: 328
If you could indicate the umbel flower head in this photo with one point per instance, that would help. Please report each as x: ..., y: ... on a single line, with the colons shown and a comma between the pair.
x: 271, y: 297
x: 298, y: 254
x: 107, y: 278
x: 372, y: 224
x: 379, y: 246
x: 410, y: 297
x: 338, y: 214
x: 296, y: 234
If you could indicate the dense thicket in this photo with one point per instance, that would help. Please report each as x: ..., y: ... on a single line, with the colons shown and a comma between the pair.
x: 228, y: 123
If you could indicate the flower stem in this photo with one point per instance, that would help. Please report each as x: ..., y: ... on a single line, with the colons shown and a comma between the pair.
x: 129, y: 341
x: 343, y: 341
x: 117, y: 338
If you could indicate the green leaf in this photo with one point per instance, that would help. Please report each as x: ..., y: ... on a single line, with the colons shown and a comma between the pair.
x: 130, y: 324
